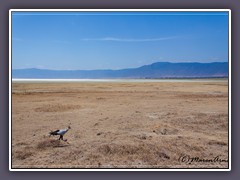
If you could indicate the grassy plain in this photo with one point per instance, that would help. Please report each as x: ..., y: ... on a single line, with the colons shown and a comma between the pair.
x: 120, y: 124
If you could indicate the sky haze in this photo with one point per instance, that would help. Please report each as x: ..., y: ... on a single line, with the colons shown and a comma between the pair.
x: 116, y: 40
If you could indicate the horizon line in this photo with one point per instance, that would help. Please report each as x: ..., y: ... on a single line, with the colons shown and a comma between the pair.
x: 119, y: 69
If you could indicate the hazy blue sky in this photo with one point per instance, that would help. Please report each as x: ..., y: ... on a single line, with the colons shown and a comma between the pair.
x: 115, y: 40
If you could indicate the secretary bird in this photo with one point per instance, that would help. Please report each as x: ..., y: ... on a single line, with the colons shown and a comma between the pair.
x: 60, y: 132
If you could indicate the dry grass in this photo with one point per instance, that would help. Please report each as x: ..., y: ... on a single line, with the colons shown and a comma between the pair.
x: 57, y: 108
x: 23, y: 154
x: 220, y: 143
x: 48, y: 143
x: 133, y: 125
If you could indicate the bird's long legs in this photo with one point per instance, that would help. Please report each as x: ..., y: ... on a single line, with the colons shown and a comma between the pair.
x: 61, y: 137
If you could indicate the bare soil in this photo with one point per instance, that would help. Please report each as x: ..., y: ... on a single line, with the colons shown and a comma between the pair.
x: 120, y: 125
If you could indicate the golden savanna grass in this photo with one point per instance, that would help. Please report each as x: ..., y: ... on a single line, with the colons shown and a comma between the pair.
x: 120, y: 125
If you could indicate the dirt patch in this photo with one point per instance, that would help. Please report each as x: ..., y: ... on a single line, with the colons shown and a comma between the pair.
x: 57, y: 108
x: 219, y: 143
x: 23, y: 154
x: 49, y: 143
x: 166, y: 131
x: 200, y: 96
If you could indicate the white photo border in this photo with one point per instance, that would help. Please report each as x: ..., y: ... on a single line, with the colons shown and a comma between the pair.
x: 119, y: 10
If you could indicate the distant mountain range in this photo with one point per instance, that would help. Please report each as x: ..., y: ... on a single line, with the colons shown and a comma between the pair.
x: 152, y: 71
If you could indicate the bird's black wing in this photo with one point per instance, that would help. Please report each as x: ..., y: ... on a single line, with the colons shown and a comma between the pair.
x: 54, y: 132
